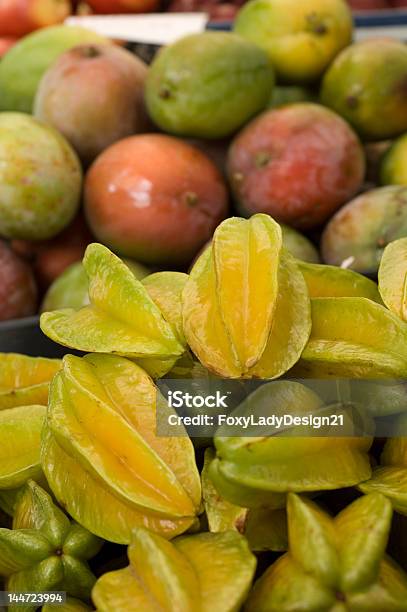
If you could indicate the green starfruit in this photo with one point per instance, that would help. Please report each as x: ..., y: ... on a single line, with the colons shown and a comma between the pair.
x: 393, y: 277
x: 254, y: 468
x: 45, y: 551
x: 71, y: 605
x: 356, y: 338
x: 25, y: 380
x: 200, y: 573
x: 264, y: 528
x: 246, y: 309
x: 103, y: 459
x: 332, y: 281
x: 121, y: 318
x: 334, y: 564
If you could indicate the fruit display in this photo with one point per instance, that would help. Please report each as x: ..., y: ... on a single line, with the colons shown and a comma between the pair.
x: 216, y: 245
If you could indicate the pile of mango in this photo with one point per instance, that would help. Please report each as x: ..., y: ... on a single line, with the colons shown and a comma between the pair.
x: 242, y: 522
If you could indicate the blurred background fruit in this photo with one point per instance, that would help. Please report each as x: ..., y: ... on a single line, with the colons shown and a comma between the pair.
x: 288, y: 94
x: 93, y: 95
x: 284, y: 163
x: 208, y: 85
x: 123, y: 6
x: 394, y: 165
x: 301, y: 38
x: 19, y: 17
x: 24, y: 65
x: 356, y: 236
x: 154, y: 198
x: 299, y: 245
x: 366, y: 84
x: 18, y: 293
x: 40, y: 179
x: 6, y: 42
x: 368, y: 5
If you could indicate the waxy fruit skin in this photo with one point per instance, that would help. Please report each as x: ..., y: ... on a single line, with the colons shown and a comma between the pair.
x: 25, y: 380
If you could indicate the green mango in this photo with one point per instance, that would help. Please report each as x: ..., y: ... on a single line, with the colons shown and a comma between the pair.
x: 208, y: 85
x: 264, y: 528
x: 71, y: 288
x: 207, y: 572
x: 393, y: 167
x: 298, y: 245
x: 290, y: 460
x: 25, y: 380
x: 290, y: 94
x: 121, y: 317
x: 353, y: 337
x: 334, y: 564
x: 393, y: 277
x: 245, y: 304
x: 45, y: 550
x: 100, y: 437
x: 25, y: 64
x: 20, y: 443
x: 331, y: 281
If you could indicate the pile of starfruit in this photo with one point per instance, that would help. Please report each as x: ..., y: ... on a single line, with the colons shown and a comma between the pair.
x: 97, y: 504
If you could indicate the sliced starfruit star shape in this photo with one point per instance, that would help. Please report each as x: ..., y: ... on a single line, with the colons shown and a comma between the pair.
x: 246, y: 309
x: 393, y: 277
x: 25, y: 380
x: 334, y: 564
x: 121, y: 318
x: 256, y: 470
x: 264, y: 528
x: 103, y: 459
x: 45, y: 550
x: 201, y: 573
x: 353, y: 337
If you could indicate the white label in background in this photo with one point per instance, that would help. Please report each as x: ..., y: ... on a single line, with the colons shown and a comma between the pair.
x: 156, y: 29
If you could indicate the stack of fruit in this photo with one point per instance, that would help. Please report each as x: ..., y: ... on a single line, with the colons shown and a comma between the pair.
x: 304, y: 131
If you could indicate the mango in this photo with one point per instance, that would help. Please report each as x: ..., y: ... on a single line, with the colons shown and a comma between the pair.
x: 38, y: 208
x: 394, y: 163
x: 20, y: 444
x: 25, y: 64
x: 208, y: 85
x: 289, y: 94
x: 366, y: 84
x: 390, y: 477
x: 331, y: 281
x: 25, y: 380
x: 71, y: 288
x: 298, y: 245
x: 264, y: 528
x: 93, y: 95
x: 18, y: 289
x: 357, y: 234
x: 207, y: 572
x: 300, y: 38
x: 245, y: 304
x: 121, y: 317
x: 100, y: 437
x: 334, y: 564
x: 45, y: 550
x: 353, y: 337
x: 271, y: 461
x: 393, y: 277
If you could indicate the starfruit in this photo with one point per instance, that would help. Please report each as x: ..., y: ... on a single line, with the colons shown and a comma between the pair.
x: 246, y: 309
x: 25, y: 380
x: 393, y: 277
x: 45, y: 551
x: 356, y: 338
x: 121, y: 318
x: 334, y: 564
x: 290, y: 460
x: 264, y: 528
x: 200, y: 573
x: 20, y: 444
x: 331, y: 281
x: 390, y: 478
x: 102, y: 458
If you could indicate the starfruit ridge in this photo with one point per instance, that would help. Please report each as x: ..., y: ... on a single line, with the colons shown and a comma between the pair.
x: 25, y: 380
x: 393, y: 277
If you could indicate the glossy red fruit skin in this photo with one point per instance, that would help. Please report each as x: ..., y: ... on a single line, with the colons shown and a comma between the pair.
x: 123, y: 6
x: 298, y: 163
x: 154, y: 198
x: 18, y: 292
